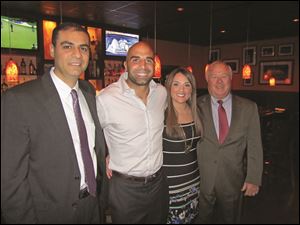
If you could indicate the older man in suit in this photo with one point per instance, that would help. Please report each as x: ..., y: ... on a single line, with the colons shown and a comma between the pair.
x: 52, y: 145
x: 230, y: 155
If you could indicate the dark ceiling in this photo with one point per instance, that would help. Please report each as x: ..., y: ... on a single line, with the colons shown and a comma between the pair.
x: 262, y: 19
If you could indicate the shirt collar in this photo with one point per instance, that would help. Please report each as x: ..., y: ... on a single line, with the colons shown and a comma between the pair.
x: 224, y: 100
x: 126, y: 89
x: 63, y: 89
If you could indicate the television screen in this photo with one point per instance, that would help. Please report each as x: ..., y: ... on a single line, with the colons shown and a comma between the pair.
x: 18, y: 33
x: 117, y: 43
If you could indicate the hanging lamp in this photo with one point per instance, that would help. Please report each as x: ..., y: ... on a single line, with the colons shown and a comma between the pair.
x: 210, y: 38
x: 157, y: 62
x: 157, y: 67
x: 189, y: 67
x: 247, y: 72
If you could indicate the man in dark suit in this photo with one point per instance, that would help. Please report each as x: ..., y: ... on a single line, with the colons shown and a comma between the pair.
x: 231, y: 137
x: 44, y: 174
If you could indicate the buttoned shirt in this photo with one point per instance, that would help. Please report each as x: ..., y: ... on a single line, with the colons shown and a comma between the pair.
x: 133, y: 130
x: 227, y: 104
x: 64, y: 92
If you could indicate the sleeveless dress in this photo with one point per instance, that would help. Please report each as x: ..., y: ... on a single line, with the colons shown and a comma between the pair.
x: 183, y: 176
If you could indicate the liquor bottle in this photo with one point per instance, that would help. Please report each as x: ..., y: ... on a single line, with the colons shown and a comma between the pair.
x: 31, y: 68
x: 96, y: 66
x: 23, y: 67
x: 90, y: 68
x: 98, y: 69
x: 4, y: 86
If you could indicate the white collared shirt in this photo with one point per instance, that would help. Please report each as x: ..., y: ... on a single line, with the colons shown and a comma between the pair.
x: 64, y: 92
x: 133, y: 130
x: 227, y: 104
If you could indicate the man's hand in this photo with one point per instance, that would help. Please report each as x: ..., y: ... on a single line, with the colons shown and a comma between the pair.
x: 108, y: 170
x: 250, y: 189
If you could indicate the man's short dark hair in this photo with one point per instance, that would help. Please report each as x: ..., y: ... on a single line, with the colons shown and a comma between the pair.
x: 67, y: 26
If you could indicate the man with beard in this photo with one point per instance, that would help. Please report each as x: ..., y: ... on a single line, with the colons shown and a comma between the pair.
x: 131, y: 112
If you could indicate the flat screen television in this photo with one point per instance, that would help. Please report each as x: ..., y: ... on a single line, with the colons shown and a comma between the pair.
x: 118, y: 43
x: 18, y: 33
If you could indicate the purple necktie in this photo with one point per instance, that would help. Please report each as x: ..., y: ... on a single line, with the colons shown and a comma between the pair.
x: 85, y: 152
x: 223, y: 122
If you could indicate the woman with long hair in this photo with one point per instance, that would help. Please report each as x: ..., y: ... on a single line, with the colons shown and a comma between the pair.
x: 183, y: 129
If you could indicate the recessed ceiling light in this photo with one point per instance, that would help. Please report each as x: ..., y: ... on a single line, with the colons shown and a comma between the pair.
x: 296, y: 20
x: 180, y: 9
x: 223, y: 31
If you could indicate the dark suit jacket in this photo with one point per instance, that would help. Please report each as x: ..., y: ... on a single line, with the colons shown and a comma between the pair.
x: 224, y: 164
x: 40, y: 178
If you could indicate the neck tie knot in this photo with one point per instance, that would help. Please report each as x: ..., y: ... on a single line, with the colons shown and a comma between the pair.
x: 74, y: 94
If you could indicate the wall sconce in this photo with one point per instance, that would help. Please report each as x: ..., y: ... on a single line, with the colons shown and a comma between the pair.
x: 48, y: 27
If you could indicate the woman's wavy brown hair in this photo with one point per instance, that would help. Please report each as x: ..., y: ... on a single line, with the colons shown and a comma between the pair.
x: 173, y: 129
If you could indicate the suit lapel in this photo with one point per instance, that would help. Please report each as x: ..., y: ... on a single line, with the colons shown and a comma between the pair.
x: 90, y: 99
x: 205, y: 107
x: 235, y: 117
x: 56, y: 113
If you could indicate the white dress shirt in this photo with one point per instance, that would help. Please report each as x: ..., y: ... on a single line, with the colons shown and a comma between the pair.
x: 133, y: 130
x: 64, y: 92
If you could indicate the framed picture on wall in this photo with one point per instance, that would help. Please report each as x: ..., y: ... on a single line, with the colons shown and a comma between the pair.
x: 280, y: 70
x: 213, y: 55
x: 112, y: 71
x: 286, y: 49
x: 248, y: 82
x: 249, y: 55
x: 233, y: 63
x: 268, y: 50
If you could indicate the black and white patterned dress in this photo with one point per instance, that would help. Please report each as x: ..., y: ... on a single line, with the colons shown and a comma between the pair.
x: 183, y: 175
